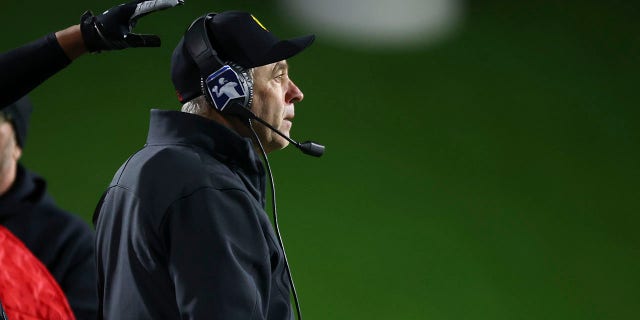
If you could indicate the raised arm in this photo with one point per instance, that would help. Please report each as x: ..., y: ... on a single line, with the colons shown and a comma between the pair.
x: 24, y: 68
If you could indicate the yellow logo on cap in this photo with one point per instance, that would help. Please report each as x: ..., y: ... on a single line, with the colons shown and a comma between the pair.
x: 259, y: 23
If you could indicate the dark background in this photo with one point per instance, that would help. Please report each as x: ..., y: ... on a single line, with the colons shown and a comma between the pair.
x: 493, y: 175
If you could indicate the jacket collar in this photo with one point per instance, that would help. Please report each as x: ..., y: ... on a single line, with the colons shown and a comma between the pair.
x: 176, y: 127
x: 27, y: 190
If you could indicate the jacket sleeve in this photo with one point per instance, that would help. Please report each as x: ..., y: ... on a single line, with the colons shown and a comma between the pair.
x: 218, y: 258
x: 26, y: 67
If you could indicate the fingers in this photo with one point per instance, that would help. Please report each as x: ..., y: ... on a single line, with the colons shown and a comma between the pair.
x: 142, y: 40
x: 148, y: 6
x: 112, y: 29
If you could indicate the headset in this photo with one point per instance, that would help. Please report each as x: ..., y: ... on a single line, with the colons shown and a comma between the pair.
x: 218, y: 77
x: 228, y: 87
x: 215, y: 73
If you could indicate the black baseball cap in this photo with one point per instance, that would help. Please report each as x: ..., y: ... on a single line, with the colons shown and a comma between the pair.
x: 18, y: 114
x: 237, y: 37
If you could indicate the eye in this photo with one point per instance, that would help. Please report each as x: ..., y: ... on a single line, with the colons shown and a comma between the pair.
x: 280, y: 76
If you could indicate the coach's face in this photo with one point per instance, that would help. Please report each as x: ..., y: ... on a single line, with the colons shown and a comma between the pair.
x: 9, y: 153
x: 274, y: 95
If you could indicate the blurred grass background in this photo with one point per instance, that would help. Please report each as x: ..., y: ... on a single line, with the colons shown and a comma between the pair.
x: 492, y: 175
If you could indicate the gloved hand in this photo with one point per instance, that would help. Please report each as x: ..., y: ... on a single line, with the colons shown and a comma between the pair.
x: 112, y: 29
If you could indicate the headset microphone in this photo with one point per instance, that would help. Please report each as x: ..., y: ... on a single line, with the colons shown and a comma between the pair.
x: 308, y: 147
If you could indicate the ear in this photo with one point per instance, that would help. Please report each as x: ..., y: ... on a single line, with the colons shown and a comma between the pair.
x: 17, y: 152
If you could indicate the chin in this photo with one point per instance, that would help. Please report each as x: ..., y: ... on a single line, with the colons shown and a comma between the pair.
x: 285, y: 144
x: 275, y: 143
x: 279, y: 143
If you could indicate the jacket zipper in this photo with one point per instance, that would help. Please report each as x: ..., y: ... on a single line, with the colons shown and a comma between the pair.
x: 3, y: 316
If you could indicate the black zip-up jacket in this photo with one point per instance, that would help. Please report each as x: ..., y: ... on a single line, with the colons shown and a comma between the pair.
x: 63, y: 242
x: 182, y: 232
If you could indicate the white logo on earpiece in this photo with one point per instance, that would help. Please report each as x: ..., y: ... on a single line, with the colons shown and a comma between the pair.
x: 224, y: 86
x: 227, y: 88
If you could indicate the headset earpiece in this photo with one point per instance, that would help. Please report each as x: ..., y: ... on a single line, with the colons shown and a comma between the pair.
x: 229, y: 85
x: 223, y: 84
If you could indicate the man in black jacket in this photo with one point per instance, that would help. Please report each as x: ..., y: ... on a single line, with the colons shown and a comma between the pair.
x: 182, y: 231
x: 62, y: 242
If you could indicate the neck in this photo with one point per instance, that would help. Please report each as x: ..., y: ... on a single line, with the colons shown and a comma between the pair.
x: 7, y: 176
x: 230, y: 122
x: 242, y: 128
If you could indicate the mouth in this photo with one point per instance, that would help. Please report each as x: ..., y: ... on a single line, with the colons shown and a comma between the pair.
x: 289, y: 118
x: 287, y: 123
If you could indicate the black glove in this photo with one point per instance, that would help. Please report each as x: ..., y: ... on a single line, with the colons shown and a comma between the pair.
x: 112, y: 29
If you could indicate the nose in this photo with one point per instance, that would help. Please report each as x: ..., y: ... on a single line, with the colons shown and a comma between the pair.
x: 293, y: 94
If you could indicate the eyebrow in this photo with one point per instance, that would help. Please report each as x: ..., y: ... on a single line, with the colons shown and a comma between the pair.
x: 280, y: 65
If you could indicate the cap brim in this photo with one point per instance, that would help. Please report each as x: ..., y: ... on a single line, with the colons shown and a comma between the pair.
x: 285, y: 49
